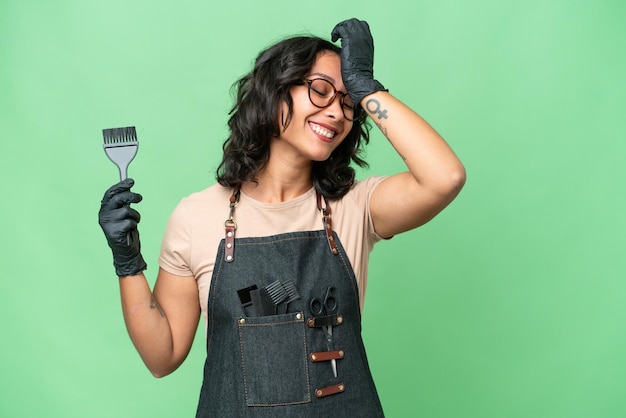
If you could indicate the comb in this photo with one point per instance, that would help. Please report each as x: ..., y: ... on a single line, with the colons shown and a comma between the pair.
x: 262, y: 303
x: 245, y: 298
x: 120, y: 145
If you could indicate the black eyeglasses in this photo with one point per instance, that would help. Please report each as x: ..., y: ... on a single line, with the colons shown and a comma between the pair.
x: 322, y: 93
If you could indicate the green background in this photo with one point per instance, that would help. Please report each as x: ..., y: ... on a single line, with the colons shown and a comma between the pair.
x: 511, y: 303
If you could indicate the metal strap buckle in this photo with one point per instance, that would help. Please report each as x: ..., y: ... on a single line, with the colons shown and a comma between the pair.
x: 230, y: 226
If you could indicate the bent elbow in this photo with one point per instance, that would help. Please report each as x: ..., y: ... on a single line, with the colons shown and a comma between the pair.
x: 458, y: 179
x: 453, y: 182
x: 160, y: 373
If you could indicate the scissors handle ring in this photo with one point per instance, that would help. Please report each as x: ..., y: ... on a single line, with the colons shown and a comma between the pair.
x: 326, y: 307
x: 317, y: 307
x: 330, y: 302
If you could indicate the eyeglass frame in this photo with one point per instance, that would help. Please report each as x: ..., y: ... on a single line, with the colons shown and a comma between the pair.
x: 355, y: 108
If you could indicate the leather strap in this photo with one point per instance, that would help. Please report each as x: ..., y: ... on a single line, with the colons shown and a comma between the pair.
x: 330, y: 390
x: 324, y: 321
x: 229, y: 228
x: 327, y: 355
x: 328, y: 226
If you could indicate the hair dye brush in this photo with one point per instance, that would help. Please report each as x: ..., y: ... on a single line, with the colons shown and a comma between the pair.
x: 120, y: 145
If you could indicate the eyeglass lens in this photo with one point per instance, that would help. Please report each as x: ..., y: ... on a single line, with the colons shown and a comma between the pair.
x: 322, y: 93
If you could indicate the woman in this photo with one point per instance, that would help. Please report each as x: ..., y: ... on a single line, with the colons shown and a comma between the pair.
x: 292, y: 231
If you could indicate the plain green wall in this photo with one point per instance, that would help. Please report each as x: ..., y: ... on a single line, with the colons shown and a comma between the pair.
x: 511, y: 303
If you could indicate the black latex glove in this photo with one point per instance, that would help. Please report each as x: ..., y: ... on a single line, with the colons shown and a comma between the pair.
x: 357, y: 58
x: 119, y: 223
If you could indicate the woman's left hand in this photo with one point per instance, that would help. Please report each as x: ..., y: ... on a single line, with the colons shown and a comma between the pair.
x: 357, y: 58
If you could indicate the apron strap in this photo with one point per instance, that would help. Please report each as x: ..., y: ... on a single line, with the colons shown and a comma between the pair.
x: 328, y: 226
x: 229, y: 228
x: 230, y: 225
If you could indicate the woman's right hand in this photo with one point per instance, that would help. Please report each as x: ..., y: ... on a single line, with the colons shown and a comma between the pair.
x: 357, y: 58
x: 119, y: 224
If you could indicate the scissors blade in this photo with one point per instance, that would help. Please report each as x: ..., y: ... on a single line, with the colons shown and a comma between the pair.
x: 329, y: 344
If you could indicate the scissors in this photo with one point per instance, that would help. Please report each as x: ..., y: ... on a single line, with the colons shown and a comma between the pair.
x: 327, y: 307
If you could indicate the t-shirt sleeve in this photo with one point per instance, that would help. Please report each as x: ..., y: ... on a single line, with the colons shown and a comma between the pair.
x: 365, y: 189
x: 176, y: 245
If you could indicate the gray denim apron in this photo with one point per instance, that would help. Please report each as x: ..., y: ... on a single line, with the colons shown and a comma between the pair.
x: 280, y: 365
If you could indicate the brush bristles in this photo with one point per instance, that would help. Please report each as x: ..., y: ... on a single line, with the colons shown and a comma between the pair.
x: 292, y: 292
x: 276, y: 291
x: 119, y: 135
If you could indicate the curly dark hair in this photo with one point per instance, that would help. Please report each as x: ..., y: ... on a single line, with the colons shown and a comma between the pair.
x: 253, y: 121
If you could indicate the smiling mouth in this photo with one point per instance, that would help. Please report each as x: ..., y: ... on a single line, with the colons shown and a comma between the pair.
x: 322, y: 131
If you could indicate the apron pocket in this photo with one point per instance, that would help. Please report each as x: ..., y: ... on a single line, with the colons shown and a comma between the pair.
x: 274, y: 360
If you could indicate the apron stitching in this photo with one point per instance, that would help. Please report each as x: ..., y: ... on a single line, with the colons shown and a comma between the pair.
x: 259, y: 243
x: 211, y: 314
x: 243, y: 362
x: 306, y: 365
x: 352, y: 279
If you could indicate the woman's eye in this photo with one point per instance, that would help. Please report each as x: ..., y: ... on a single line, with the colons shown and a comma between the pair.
x: 320, y: 92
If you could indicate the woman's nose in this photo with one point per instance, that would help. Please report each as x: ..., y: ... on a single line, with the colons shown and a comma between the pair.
x: 335, y: 108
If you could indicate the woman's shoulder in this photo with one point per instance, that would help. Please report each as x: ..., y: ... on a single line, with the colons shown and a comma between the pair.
x: 362, y: 189
x: 204, y: 201
x: 356, y: 200
x: 212, y: 194
x: 199, y: 208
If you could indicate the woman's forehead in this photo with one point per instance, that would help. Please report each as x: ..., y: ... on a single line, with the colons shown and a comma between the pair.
x: 328, y: 65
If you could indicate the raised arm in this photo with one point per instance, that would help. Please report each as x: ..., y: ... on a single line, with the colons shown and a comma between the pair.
x: 161, y: 324
x: 435, y: 175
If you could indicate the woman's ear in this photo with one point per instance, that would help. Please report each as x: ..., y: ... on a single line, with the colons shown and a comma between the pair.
x: 285, y: 114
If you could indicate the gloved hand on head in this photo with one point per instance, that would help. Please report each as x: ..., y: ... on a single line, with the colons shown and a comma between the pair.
x: 357, y: 58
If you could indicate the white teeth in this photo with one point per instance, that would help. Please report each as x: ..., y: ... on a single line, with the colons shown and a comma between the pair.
x: 322, y: 131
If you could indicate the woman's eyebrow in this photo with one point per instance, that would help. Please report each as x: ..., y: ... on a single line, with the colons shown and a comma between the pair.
x: 324, y: 76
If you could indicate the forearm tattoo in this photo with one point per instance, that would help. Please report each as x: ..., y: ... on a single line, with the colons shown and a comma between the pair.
x: 373, y: 106
x: 155, y: 305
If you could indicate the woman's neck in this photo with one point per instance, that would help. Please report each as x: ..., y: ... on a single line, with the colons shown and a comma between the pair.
x: 279, y: 183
